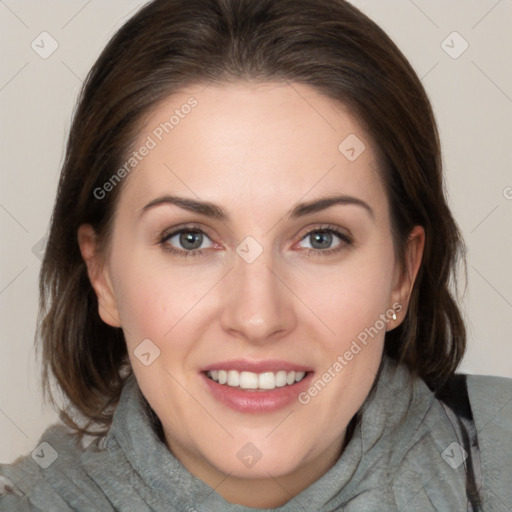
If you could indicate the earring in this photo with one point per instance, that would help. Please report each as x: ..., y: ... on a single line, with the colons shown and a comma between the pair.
x: 394, y: 315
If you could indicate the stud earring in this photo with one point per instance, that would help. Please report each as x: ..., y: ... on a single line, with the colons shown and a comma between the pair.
x: 394, y: 315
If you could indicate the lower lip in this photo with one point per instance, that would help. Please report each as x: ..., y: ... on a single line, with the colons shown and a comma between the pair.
x: 257, y: 400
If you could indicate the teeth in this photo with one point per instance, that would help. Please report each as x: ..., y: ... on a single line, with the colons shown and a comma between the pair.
x: 280, y: 379
x: 250, y: 380
x: 299, y: 376
x: 233, y: 378
x: 266, y: 380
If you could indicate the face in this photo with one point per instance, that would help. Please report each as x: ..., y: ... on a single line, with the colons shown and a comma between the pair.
x: 252, y: 242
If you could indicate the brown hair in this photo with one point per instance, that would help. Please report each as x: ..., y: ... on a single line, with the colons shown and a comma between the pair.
x: 168, y: 44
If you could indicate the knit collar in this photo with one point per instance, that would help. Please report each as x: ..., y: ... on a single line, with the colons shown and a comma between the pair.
x: 392, y: 461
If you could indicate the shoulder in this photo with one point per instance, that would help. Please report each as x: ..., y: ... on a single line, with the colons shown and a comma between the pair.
x: 51, y: 477
x: 491, y: 399
x: 491, y: 403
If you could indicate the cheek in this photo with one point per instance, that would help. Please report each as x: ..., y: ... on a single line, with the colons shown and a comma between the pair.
x: 156, y: 299
x: 149, y: 307
x: 139, y: 292
x: 351, y: 296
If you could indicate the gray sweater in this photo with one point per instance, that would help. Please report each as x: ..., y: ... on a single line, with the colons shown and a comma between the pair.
x: 401, y: 457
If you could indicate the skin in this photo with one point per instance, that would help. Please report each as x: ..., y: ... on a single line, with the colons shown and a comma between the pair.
x: 255, y: 150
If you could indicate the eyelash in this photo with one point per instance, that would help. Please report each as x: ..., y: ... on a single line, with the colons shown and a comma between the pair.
x: 346, y: 241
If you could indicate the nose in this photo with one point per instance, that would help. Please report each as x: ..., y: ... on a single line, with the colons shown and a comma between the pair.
x: 257, y: 305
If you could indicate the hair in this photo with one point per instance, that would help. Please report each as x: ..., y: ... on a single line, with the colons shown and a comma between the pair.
x: 170, y: 44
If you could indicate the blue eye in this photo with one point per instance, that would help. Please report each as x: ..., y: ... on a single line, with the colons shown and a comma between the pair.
x: 188, y: 241
x: 322, y: 239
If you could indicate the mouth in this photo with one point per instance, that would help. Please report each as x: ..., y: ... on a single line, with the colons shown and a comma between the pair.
x: 250, y: 380
x: 256, y: 386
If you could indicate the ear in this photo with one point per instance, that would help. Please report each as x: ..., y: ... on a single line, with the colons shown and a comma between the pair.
x: 405, y: 277
x: 98, y: 275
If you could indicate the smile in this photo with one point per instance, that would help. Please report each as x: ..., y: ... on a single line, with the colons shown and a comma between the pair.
x: 251, y: 380
x: 249, y: 386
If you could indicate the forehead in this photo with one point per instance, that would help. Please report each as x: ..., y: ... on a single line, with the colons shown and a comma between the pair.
x: 254, y: 142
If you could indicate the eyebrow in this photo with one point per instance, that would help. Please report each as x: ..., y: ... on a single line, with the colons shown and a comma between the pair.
x: 216, y: 212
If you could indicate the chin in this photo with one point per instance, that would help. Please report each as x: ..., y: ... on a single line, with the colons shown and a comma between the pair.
x: 258, y: 460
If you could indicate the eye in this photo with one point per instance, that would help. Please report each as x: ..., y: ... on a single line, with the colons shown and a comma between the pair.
x: 190, y: 241
x: 185, y: 242
x: 321, y: 241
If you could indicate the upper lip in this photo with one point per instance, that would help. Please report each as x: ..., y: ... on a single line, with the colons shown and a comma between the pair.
x: 247, y: 365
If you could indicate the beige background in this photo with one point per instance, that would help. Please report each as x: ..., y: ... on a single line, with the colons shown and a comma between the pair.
x: 471, y: 95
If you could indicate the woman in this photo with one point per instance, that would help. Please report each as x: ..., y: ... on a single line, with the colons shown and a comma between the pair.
x: 245, y: 294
